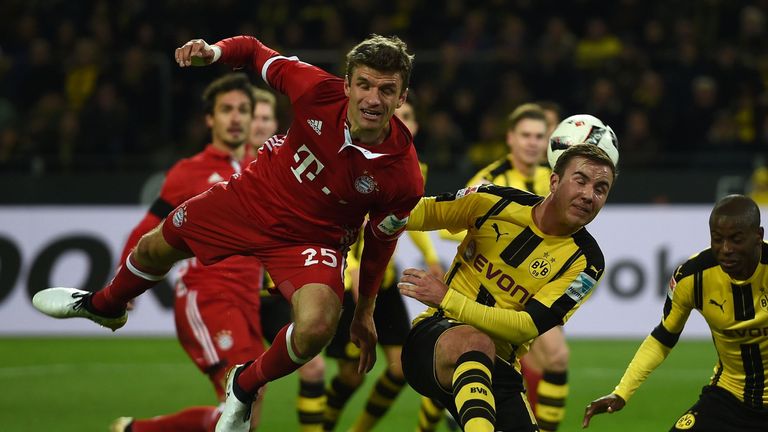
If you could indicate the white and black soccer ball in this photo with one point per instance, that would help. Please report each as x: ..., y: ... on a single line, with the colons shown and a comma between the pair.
x: 582, y: 129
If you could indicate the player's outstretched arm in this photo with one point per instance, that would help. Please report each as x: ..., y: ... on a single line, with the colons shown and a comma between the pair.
x: 610, y: 404
x: 196, y: 52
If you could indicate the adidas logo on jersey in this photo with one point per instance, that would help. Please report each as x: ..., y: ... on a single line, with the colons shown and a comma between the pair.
x: 215, y: 178
x: 316, y: 125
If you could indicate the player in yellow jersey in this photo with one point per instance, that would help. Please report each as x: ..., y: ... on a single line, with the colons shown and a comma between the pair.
x: 545, y: 366
x: 728, y: 285
x: 526, y: 264
x: 392, y: 326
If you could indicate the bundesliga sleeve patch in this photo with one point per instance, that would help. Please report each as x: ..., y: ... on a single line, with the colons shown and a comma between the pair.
x: 391, y: 224
x: 580, y: 287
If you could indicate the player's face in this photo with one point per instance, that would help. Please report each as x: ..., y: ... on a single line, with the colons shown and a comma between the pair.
x: 373, y: 98
x: 528, y: 141
x: 264, y: 124
x: 735, y: 245
x: 406, y: 114
x: 581, y: 192
x: 230, y: 122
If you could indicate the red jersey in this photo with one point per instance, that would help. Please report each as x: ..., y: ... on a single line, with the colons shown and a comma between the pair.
x: 240, y: 275
x: 318, y: 184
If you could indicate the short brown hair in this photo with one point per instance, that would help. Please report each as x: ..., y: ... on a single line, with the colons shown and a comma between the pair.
x: 589, y: 151
x: 224, y: 84
x: 384, y: 54
x: 263, y: 96
x: 525, y: 111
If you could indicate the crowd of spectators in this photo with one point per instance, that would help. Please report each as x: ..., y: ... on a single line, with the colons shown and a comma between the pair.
x: 91, y: 84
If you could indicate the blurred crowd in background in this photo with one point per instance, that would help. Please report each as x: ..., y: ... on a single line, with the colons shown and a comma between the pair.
x: 90, y: 85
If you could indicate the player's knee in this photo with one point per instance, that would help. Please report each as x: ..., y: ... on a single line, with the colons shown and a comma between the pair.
x: 312, y: 335
x: 350, y: 377
x: 395, y: 370
x: 154, y: 253
x: 557, y: 359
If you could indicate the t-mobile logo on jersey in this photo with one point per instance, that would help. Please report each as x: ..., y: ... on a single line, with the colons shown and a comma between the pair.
x: 308, y: 160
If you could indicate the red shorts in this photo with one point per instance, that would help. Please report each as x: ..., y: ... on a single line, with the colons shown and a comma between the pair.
x: 217, y: 331
x: 215, y: 225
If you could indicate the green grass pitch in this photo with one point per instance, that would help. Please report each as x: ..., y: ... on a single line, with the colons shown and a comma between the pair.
x: 81, y: 384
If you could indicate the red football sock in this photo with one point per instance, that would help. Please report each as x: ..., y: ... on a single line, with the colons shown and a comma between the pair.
x: 195, y: 419
x: 275, y: 363
x: 130, y: 281
x: 532, y: 379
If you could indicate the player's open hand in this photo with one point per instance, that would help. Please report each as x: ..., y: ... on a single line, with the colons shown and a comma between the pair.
x: 422, y: 286
x: 609, y: 404
x: 196, y: 52
x: 362, y: 333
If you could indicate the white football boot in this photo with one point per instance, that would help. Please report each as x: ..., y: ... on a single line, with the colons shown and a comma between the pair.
x: 72, y: 303
x: 236, y: 414
x: 120, y: 424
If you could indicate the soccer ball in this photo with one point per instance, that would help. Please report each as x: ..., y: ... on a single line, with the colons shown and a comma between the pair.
x: 582, y: 129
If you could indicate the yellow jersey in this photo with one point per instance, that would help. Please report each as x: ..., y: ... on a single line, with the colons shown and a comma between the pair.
x: 508, y: 278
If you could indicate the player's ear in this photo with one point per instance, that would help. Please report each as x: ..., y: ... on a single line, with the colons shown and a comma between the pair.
x: 554, y: 181
x: 346, y: 85
x: 403, y: 98
x: 209, y: 121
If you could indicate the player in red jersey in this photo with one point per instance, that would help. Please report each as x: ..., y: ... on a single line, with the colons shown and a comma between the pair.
x: 297, y: 208
x: 213, y: 304
x: 275, y: 312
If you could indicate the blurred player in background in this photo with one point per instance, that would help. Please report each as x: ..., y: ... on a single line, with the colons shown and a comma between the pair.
x: 728, y: 285
x: 392, y: 326
x: 214, y: 305
x: 545, y: 366
x: 525, y: 265
x: 297, y: 208
x: 275, y: 311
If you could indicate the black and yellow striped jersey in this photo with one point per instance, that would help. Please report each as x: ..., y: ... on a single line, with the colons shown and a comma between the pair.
x: 505, y: 265
x: 502, y: 173
x: 737, y: 315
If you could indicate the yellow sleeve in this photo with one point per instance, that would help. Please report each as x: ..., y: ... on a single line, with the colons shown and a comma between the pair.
x: 647, y: 358
x: 454, y: 212
x: 657, y: 346
x: 424, y: 243
x: 458, y: 237
x: 478, y: 179
x: 516, y: 327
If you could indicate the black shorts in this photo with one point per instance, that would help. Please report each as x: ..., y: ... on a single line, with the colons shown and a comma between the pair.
x: 717, y: 410
x: 512, y: 410
x: 275, y: 313
x: 391, y: 319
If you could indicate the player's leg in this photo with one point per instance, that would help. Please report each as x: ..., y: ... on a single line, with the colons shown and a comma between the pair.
x: 314, y: 288
x: 211, y: 226
x: 275, y: 313
x: 532, y: 373
x: 552, y: 353
x: 347, y: 380
x: 454, y: 364
x: 152, y: 258
x: 392, y: 325
x: 216, y: 334
x: 312, y: 401
x: 430, y: 413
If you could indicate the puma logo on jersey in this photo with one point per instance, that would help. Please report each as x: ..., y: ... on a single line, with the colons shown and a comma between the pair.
x: 720, y: 305
x: 215, y: 178
x: 316, y: 125
x: 498, y: 232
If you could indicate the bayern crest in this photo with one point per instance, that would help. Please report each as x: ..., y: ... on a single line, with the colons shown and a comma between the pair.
x: 365, y: 184
x: 180, y: 216
x: 224, y: 340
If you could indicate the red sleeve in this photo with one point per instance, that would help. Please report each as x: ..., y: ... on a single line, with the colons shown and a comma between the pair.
x: 287, y: 75
x: 376, y: 256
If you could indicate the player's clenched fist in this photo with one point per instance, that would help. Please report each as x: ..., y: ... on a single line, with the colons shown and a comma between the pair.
x: 196, y: 52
